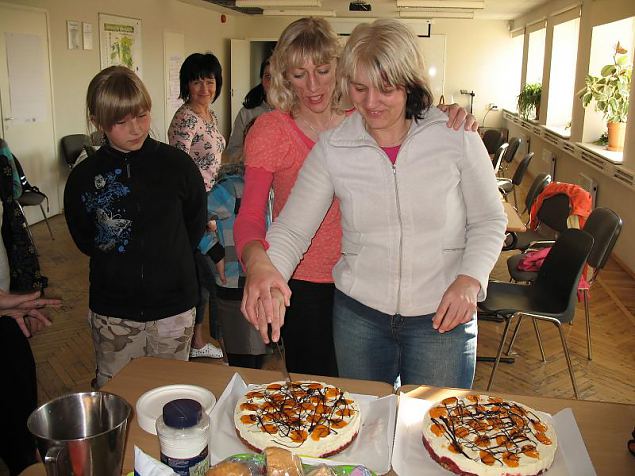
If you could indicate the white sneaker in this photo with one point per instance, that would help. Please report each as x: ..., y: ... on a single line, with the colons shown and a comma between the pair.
x: 208, y: 350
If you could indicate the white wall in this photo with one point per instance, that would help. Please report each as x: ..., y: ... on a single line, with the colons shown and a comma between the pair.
x: 478, y: 53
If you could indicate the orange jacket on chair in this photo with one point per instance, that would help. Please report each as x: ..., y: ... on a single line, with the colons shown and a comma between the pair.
x: 579, y: 199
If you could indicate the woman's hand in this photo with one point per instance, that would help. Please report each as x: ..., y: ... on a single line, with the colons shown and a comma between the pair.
x: 458, y: 304
x: 457, y: 116
x: 258, y: 305
x: 24, y: 308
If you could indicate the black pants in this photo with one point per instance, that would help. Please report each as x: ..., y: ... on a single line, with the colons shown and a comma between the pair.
x: 308, y: 329
x: 18, y: 399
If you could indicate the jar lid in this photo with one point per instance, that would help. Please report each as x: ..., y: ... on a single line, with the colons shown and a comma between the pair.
x: 182, y: 413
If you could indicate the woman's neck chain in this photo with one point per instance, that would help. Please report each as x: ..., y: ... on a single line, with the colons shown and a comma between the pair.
x: 313, y: 129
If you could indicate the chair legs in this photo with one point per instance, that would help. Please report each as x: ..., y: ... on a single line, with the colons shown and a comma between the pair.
x: 587, y: 318
x: 47, y: 222
x: 500, y: 351
x: 565, y: 348
x: 538, y: 338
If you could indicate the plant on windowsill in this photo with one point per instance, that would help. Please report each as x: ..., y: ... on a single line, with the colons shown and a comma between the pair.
x: 529, y: 100
x: 610, y: 92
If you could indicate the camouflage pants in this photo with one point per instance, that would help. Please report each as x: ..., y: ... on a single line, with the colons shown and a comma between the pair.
x: 118, y: 341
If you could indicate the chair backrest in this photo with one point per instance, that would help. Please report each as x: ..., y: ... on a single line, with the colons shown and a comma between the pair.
x: 514, y: 144
x: 23, y: 180
x: 498, y: 156
x: 554, y: 212
x: 519, y: 174
x: 539, y: 184
x: 605, y: 226
x: 492, y: 138
x: 72, y: 146
x: 558, y: 277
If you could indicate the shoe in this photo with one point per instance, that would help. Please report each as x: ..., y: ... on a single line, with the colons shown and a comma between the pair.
x: 208, y: 350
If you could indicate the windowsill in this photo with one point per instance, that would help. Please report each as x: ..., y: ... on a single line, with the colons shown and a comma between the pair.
x: 613, y: 157
x: 560, y: 131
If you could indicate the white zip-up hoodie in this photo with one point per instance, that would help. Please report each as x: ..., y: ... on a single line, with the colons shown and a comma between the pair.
x: 409, y: 229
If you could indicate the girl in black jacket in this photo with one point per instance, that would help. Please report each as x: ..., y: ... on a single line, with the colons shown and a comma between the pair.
x: 137, y: 209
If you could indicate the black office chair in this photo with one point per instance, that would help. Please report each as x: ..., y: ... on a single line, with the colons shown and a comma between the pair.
x: 493, y: 139
x: 552, y: 220
x: 73, y: 145
x: 506, y: 185
x: 535, y: 189
x: 552, y: 298
x: 498, y: 156
x: 510, y: 153
x: 31, y: 195
x: 605, y: 226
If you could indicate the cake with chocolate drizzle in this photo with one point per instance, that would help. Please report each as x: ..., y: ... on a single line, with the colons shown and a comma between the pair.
x: 480, y: 435
x: 311, y: 418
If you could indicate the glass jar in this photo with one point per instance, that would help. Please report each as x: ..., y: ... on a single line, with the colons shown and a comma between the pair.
x: 183, y: 431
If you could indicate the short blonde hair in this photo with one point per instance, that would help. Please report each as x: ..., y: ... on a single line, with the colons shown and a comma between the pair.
x: 305, y: 39
x: 387, y: 51
x: 113, y: 94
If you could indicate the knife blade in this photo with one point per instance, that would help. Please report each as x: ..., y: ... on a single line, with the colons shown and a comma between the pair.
x: 280, y: 349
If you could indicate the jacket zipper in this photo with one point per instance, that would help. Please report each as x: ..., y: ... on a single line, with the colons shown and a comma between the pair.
x: 398, y: 205
x: 129, y: 175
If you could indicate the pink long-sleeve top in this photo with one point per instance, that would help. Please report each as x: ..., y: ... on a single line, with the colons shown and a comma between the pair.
x: 200, y: 139
x: 275, y: 149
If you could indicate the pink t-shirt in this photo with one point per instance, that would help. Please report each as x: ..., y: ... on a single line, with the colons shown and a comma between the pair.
x: 392, y: 152
x: 275, y: 149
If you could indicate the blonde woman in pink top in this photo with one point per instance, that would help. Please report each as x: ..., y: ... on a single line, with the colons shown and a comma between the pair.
x: 302, y: 87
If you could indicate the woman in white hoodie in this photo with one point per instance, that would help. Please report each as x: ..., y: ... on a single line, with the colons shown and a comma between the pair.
x: 421, y: 217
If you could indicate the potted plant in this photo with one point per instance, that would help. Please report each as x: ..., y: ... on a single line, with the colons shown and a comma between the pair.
x: 610, y: 92
x: 529, y: 100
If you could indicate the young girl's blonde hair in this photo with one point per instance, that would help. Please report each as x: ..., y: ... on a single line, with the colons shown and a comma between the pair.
x: 305, y: 39
x: 113, y: 94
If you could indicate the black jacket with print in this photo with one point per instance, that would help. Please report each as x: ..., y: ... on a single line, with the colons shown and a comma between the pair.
x: 139, y: 217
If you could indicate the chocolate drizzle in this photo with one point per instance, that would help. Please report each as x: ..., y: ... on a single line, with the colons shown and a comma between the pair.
x: 296, y: 411
x: 504, y: 430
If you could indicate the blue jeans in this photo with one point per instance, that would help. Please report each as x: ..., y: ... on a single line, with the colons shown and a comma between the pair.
x: 371, y: 345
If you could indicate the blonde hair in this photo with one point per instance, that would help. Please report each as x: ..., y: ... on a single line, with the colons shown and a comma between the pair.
x: 388, y: 53
x: 305, y: 39
x: 113, y: 94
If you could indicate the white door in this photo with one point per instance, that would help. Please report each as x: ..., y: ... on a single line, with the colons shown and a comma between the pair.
x: 240, y: 74
x: 25, y: 100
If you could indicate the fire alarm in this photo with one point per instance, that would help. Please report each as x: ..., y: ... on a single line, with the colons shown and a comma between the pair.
x: 223, y: 18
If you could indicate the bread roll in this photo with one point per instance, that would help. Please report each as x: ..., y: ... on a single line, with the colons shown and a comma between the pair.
x: 229, y: 468
x: 281, y: 462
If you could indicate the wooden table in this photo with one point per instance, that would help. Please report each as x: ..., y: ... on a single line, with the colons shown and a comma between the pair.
x: 146, y: 373
x: 605, y: 427
x: 514, y: 222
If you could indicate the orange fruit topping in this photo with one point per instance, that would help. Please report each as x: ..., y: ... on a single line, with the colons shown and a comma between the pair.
x: 298, y: 436
x: 248, y: 419
x: 438, y: 412
x: 487, y: 458
x: 320, y: 431
x: 436, y: 429
x: 530, y: 450
x: 510, y: 459
x: 544, y: 439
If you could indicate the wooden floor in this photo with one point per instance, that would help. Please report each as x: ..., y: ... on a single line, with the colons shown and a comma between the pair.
x: 65, y: 361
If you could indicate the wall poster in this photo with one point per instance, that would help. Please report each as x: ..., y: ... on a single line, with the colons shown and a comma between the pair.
x: 120, y: 41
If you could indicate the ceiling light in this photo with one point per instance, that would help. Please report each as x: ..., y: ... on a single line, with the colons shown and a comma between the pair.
x: 278, y: 3
x: 436, y: 14
x: 469, y: 4
x: 299, y: 13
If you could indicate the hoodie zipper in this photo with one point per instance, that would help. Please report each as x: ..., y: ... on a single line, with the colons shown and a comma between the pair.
x: 138, y: 207
x: 398, y: 206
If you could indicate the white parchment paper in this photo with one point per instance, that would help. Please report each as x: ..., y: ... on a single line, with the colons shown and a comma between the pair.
x: 411, y: 457
x: 372, y: 447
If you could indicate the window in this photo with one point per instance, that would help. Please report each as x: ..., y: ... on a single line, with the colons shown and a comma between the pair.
x: 515, y: 71
x: 603, y: 41
x: 535, y: 56
x: 562, y: 76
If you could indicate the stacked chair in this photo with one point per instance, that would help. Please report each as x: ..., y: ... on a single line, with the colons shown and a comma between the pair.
x: 510, y: 153
x: 507, y: 186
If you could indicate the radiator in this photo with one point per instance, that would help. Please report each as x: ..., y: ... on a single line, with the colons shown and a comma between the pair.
x: 549, y: 159
x: 590, y: 185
